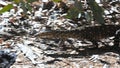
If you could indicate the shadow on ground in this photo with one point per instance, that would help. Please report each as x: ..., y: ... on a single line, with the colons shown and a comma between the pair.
x: 87, y: 52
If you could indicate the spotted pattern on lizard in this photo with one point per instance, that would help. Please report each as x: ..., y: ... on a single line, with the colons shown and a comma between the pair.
x: 91, y: 33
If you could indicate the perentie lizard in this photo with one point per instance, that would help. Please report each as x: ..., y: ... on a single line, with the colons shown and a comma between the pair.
x: 91, y: 33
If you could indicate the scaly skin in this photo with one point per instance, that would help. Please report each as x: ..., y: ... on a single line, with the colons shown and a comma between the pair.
x: 91, y: 33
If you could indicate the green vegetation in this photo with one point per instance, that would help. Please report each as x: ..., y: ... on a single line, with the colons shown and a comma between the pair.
x: 6, y: 8
x: 97, y: 11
